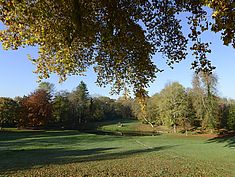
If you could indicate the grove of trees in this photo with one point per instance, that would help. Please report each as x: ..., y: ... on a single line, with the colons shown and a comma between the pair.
x: 197, y: 108
x: 45, y: 109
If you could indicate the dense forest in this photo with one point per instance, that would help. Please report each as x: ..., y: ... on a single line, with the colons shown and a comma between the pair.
x: 197, y: 108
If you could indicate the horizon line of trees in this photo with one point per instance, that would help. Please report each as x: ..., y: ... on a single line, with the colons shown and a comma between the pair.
x: 45, y: 108
x: 177, y: 107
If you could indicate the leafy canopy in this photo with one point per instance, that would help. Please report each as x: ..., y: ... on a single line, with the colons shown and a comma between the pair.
x: 117, y: 38
x: 174, y: 104
x: 38, y: 109
x: 9, y: 110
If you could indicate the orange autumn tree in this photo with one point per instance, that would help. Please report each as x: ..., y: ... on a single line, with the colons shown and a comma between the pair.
x: 37, y: 109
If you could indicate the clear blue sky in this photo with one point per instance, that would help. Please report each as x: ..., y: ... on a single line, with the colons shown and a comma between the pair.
x: 17, y: 77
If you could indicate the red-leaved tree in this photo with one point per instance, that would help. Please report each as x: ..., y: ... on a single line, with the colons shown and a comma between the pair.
x: 37, y: 108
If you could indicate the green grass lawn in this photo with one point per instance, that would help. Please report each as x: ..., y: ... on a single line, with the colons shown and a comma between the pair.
x: 127, y: 125
x: 71, y: 153
x: 130, y: 125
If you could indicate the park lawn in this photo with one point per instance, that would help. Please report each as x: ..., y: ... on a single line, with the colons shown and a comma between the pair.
x: 71, y: 153
x: 126, y: 125
x: 130, y: 125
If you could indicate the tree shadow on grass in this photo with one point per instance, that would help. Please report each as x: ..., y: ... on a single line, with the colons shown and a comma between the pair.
x: 26, y: 150
x: 51, y: 140
x: 229, y: 140
x: 14, y: 160
x: 15, y: 135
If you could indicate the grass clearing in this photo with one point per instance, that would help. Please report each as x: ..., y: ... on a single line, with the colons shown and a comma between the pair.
x: 71, y: 153
x: 129, y: 125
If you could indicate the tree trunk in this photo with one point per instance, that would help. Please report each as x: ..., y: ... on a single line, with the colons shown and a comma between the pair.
x: 174, y: 128
x: 148, y: 122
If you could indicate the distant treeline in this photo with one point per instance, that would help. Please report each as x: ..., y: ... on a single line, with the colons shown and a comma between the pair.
x: 198, y: 107
x: 70, y: 110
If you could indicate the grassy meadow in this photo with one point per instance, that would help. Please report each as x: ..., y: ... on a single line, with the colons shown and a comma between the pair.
x: 72, y: 153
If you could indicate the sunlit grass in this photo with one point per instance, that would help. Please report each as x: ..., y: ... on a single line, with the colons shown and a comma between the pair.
x: 71, y: 153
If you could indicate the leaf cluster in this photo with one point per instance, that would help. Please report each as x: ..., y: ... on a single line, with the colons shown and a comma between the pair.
x: 117, y: 38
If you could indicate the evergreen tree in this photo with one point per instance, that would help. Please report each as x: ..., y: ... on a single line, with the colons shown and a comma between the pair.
x: 80, y: 101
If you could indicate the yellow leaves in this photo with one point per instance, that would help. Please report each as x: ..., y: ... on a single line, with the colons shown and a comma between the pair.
x: 20, y: 33
x: 223, y: 13
x: 72, y: 38
x: 5, y: 46
x: 1, y: 35
x: 7, y: 18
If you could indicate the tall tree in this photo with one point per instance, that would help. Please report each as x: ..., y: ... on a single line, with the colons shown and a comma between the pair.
x: 197, y: 96
x: 212, y: 112
x: 174, y: 105
x: 80, y: 100
x: 205, y: 99
x: 117, y: 38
